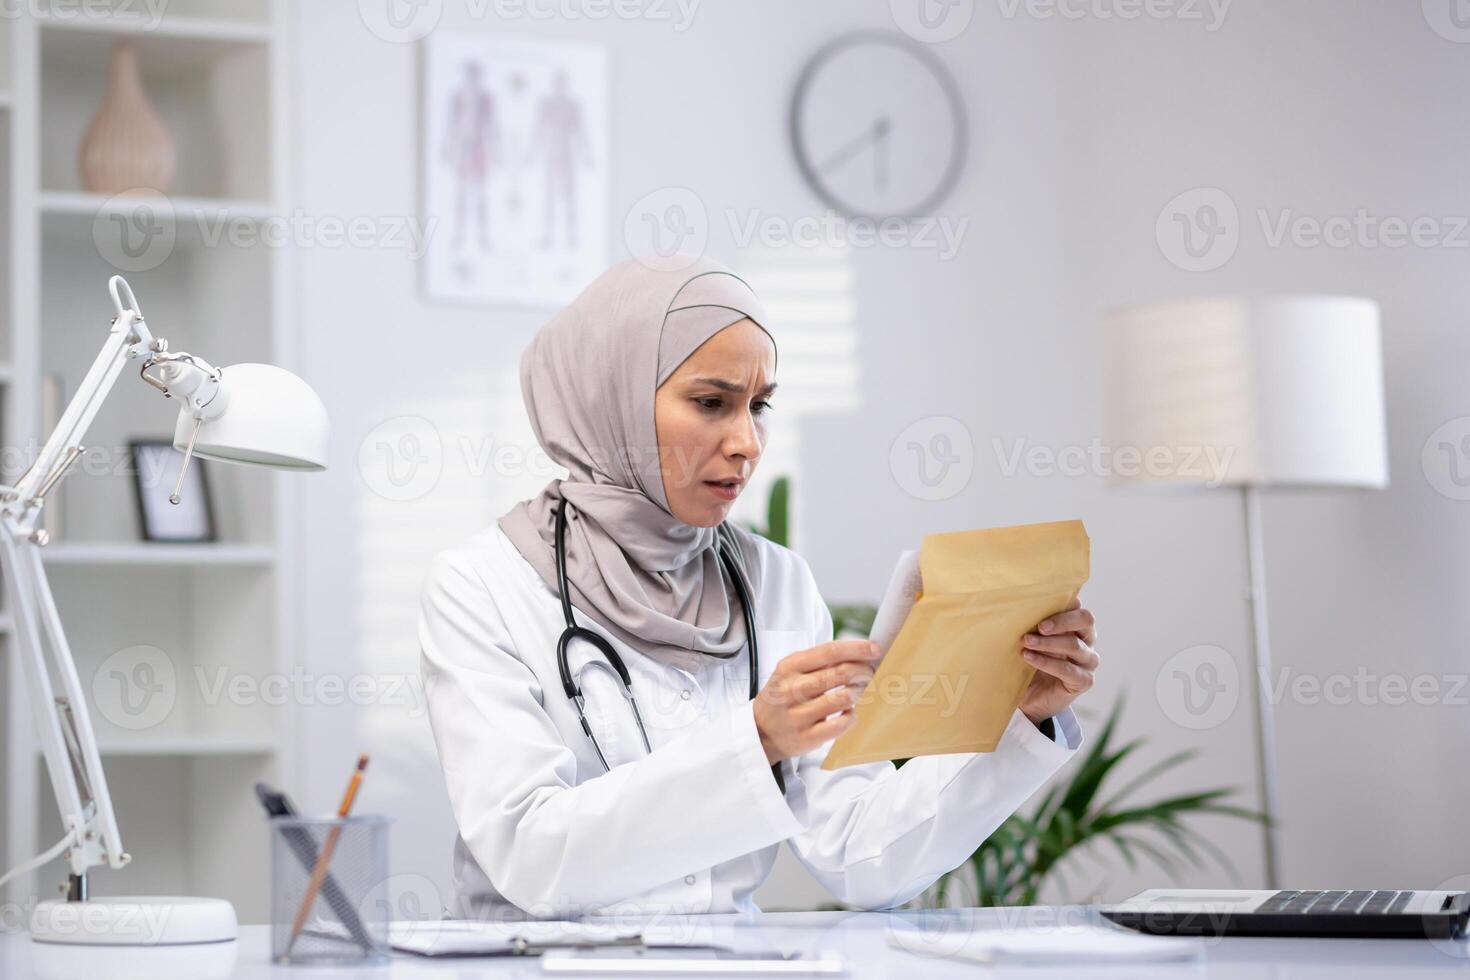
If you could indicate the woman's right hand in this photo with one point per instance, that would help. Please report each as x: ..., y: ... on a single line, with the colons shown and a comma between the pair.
x: 791, y: 709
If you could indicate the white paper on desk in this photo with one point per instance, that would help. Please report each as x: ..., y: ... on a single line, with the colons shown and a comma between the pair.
x: 466, y: 937
x: 1052, y: 944
x: 903, y: 590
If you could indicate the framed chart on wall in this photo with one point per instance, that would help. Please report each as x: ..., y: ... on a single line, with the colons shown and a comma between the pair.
x: 513, y: 164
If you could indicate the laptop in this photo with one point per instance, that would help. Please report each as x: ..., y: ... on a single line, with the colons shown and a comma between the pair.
x: 1384, y: 913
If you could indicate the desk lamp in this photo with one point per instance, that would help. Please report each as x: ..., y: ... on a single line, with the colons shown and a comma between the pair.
x: 253, y: 414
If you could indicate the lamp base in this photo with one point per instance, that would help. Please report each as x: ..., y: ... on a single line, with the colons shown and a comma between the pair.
x: 168, y: 920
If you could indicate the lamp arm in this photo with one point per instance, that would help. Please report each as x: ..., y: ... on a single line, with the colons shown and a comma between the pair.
x: 63, y: 721
x: 128, y: 339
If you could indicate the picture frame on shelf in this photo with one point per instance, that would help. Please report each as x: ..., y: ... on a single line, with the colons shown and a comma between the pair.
x: 155, y: 467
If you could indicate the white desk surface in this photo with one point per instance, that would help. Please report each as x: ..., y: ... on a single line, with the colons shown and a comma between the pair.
x: 857, y: 936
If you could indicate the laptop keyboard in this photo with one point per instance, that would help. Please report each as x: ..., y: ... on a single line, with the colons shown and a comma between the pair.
x: 1381, y: 902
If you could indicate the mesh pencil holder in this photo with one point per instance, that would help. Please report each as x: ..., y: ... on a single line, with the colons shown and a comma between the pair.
x: 347, y: 918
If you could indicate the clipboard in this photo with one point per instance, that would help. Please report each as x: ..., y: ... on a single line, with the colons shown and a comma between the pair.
x: 459, y: 938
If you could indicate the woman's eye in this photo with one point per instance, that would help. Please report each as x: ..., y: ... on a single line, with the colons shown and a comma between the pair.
x: 759, y: 407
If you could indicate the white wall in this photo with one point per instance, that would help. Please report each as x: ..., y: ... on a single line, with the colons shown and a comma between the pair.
x: 1324, y: 109
x: 1084, y: 129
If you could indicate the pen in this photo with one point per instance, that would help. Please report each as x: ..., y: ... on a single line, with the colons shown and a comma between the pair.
x: 325, y: 858
x: 277, y: 804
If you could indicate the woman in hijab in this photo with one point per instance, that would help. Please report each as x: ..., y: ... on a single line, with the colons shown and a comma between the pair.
x: 651, y: 389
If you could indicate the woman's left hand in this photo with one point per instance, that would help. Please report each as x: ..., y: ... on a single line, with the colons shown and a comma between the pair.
x: 1061, y: 651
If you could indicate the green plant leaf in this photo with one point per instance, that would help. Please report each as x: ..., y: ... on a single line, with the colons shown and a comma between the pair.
x: 1121, y: 842
x: 1162, y: 859
x: 778, y: 512
x: 1150, y: 774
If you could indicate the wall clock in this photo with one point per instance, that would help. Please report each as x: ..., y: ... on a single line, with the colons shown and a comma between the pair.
x: 878, y: 126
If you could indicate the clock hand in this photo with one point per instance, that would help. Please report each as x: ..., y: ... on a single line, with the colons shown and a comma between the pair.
x: 856, y: 145
x: 881, y: 129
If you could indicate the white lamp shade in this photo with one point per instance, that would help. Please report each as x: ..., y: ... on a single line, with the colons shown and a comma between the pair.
x: 1283, y: 391
x: 271, y: 418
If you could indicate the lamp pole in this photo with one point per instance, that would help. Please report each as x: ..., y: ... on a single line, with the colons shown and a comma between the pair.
x: 1255, y: 597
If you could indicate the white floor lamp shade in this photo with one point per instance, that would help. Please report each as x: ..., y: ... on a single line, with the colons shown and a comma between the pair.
x: 1288, y: 390
x: 1284, y: 391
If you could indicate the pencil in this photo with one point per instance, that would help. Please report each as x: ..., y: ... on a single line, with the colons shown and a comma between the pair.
x: 324, y: 859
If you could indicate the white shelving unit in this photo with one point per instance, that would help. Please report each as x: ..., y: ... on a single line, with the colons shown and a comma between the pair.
x: 220, y: 612
x: 82, y: 204
x: 149, y: 554
x: 186, y: 746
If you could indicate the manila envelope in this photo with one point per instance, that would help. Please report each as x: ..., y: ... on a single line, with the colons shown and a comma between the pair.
x: 954, y: 675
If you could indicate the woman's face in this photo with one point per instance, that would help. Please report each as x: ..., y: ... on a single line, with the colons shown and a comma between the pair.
x: 710, y: 415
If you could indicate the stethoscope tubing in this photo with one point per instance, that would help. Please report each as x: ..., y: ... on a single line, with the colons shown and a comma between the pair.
x: 575, y: 632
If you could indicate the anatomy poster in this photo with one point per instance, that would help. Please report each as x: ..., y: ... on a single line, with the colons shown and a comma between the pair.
x: 514, y: 166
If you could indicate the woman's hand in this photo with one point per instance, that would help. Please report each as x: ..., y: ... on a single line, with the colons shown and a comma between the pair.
x: 1061, y: 651
x: 791, y: 710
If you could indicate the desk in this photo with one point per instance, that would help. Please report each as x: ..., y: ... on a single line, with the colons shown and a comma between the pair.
x: 858, y: 936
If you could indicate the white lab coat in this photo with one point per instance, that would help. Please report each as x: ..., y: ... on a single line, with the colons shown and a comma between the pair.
x: 695, y: 825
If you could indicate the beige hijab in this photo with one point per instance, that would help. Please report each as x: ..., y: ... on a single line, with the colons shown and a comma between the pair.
x: 588, y: 379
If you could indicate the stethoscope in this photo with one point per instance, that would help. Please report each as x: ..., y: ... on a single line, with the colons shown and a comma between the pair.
x: 573, y: 631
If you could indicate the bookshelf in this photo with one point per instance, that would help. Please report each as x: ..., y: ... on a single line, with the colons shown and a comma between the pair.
x: 221, y: 615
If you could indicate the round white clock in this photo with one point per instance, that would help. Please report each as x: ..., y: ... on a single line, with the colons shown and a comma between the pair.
x: 878, y: 126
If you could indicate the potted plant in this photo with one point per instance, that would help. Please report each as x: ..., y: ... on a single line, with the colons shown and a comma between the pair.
x: 1083, y: 811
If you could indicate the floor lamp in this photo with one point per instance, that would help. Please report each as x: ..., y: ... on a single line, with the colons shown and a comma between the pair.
x: 1249, y: 394
x: 253, y: 414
